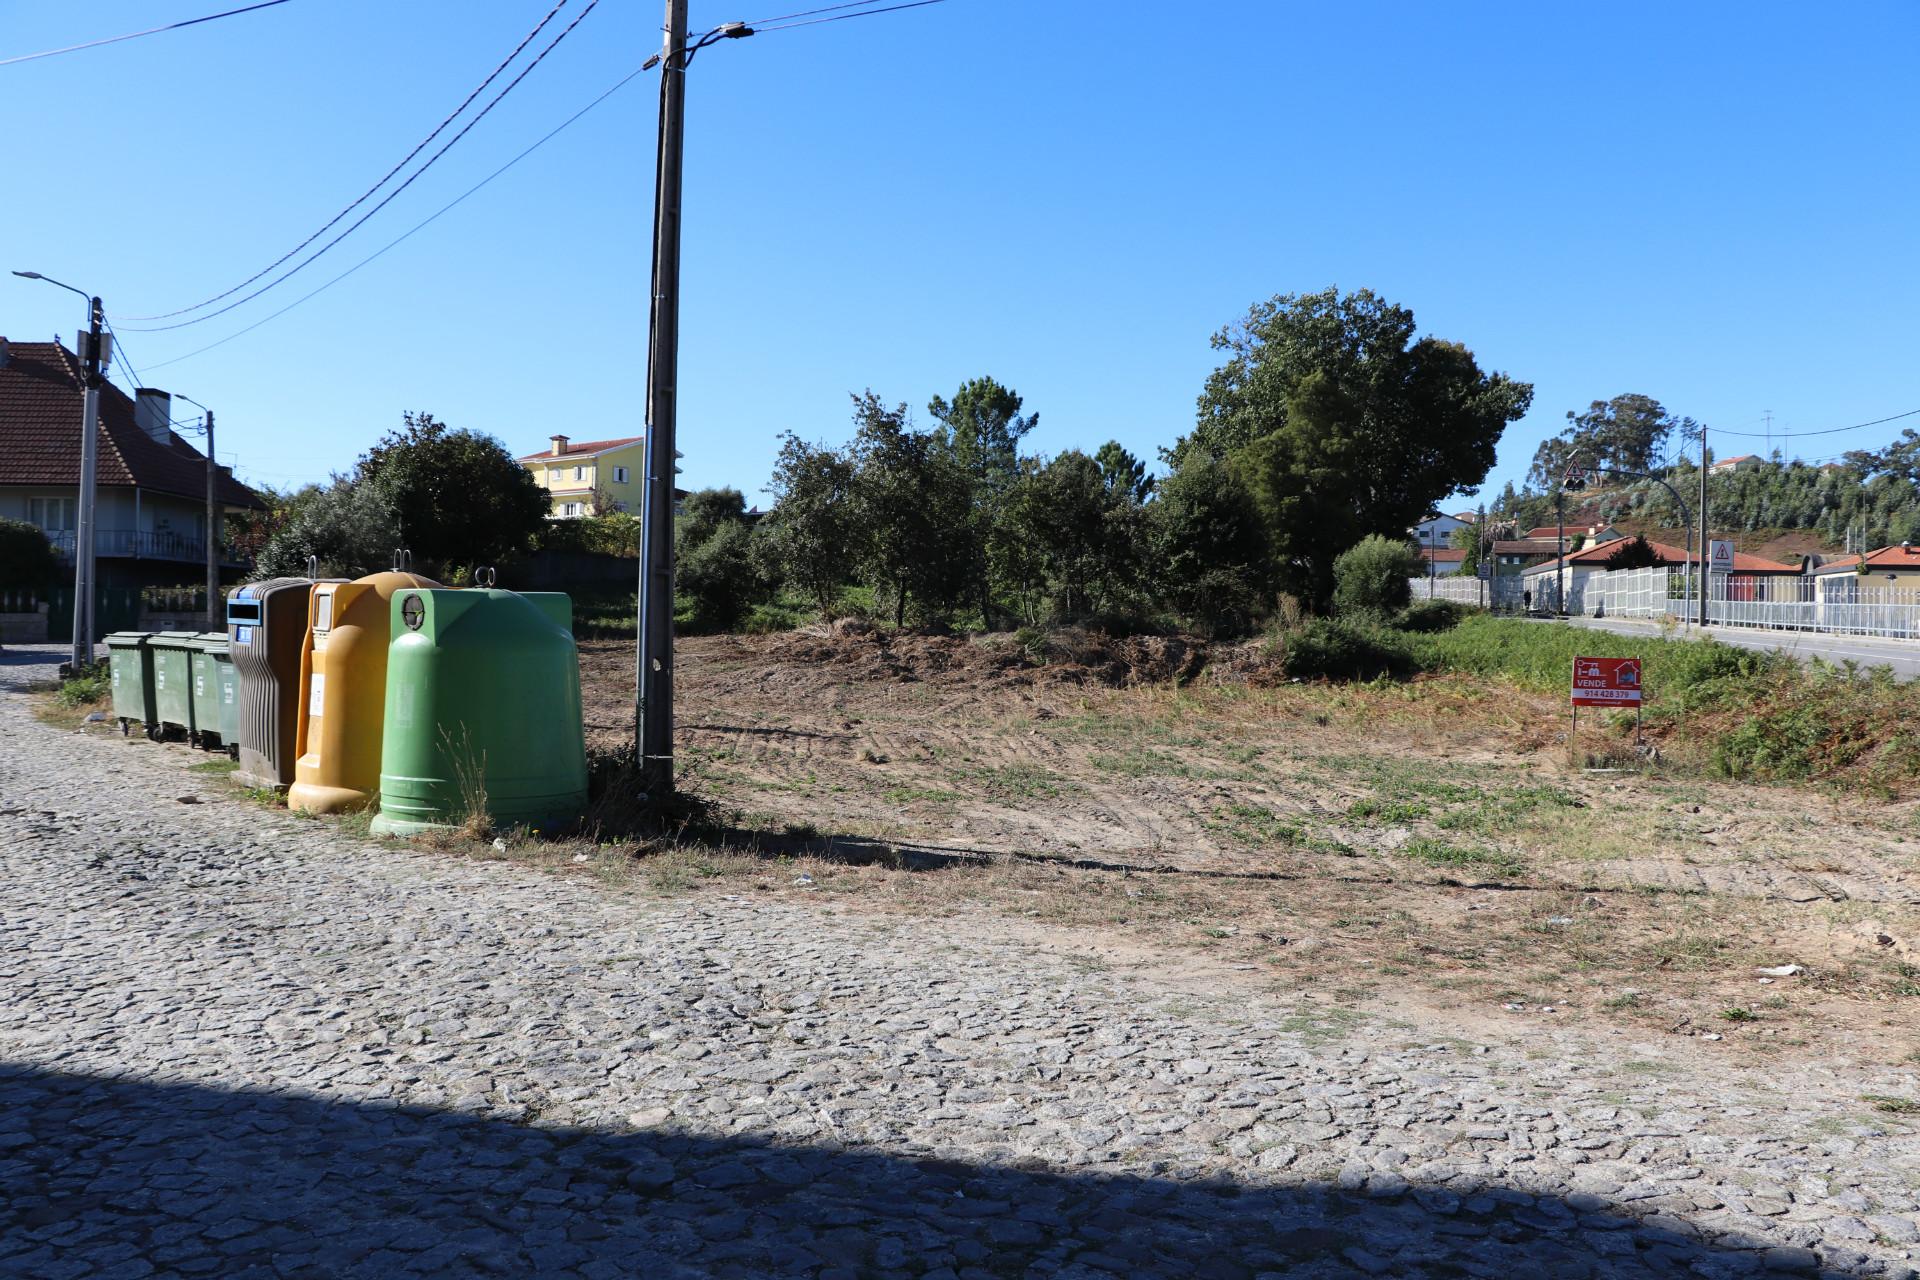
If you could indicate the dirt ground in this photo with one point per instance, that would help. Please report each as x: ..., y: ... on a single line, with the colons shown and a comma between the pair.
x: 1431, y: 844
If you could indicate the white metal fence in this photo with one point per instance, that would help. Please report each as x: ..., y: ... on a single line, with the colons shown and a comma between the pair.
x: 1841, y: 603
x: 1464, y: 588
x: 1631, y: 593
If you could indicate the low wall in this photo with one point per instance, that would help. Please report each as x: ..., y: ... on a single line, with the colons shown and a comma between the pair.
x: 24, y: 628
x: 569, y: 570
x: 151, y: 620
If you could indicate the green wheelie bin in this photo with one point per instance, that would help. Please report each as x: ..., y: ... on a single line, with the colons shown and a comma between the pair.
x: 130, y: 668
x: 216, y: 694
x: 173, y: 681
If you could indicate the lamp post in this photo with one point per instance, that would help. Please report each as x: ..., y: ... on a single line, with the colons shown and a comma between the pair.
x: 92, y: 355
x: 1686, y: 517
x: 216, y: 616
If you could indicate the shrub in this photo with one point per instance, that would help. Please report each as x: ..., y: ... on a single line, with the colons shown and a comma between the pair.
x: 1331, y: 649
x: 1425, y: 617
x: 1370, y: 578
x: 615, y: 534
x: 26, y: 557
x: 90, y: 686
x: 721, y: 577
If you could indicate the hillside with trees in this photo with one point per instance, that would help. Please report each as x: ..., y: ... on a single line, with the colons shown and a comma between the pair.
x: 1863, y: 498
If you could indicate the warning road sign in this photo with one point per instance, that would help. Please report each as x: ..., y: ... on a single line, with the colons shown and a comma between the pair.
x: 1606, y: 682
x: 1720, y: 556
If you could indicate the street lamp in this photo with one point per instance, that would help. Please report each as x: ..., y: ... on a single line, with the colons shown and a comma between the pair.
x: 1575, y: 478
x: 93, y: 355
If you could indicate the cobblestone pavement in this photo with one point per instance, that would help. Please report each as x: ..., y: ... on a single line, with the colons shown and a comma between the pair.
x: 236, y: 1043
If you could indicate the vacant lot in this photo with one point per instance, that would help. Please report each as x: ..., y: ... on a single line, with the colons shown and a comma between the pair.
x: 1425, y: 844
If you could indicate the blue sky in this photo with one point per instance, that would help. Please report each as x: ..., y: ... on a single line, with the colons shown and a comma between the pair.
x: 1713, y: 204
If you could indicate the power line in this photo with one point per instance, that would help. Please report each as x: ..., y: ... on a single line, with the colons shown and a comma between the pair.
x: 120, y: 356
x: 384, y: 178
x: 808, y: 13
x: 1831, y: 431
x: 864, y: 13
x: 420, y: 226
x: 135, y: 35
x: 391, y: 195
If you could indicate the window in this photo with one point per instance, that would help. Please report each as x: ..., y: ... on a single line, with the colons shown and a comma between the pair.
x: 55, y: 515
x: 579, y: 473
x: 570, y: 509
x: 619, y: 475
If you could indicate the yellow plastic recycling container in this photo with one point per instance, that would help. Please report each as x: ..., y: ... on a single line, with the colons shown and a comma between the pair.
x: 343, y: 691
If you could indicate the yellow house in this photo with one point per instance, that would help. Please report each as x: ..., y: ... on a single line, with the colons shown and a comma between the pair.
x: 595, y: 477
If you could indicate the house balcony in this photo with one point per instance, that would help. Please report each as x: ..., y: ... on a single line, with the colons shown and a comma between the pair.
x: 145, y: 544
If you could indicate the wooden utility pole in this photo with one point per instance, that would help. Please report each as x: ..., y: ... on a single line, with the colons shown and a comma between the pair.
x: 653, y: 691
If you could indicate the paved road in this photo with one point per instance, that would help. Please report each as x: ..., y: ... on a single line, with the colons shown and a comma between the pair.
x: 240, y: 1044
x: 1902, y: 655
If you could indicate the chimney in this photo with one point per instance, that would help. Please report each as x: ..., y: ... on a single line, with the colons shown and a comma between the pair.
x: 559, y: 445
x: 152, y: 411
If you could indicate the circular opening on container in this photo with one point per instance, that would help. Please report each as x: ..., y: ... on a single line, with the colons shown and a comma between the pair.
x: 413, y: 612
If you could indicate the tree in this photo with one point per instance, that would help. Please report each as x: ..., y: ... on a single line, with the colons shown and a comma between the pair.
x: 1634, y: 553
x: 704, y: 512
x: 27, y: 562
x: 1208, y: 546
x: 456, y: 497
x: 601, y: 502
x: 1469, y: 540
x: 815, y: 536
x: 346, y: 527
x: 1123, y: 472
x: 982, y: 428
x: 1068, y: 539
x: 1341, y: 424
x: 914, y: 502
x: 1627, y: 433
x: 1373, y: 577
x: 721, y: 576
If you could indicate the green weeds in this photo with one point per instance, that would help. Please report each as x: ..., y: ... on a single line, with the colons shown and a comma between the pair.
x: 1438, y: 853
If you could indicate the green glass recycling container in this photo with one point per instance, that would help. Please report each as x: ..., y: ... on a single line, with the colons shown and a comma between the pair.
x: 482, y: 715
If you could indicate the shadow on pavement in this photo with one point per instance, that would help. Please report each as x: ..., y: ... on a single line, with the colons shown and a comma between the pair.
x: 109, y: 1178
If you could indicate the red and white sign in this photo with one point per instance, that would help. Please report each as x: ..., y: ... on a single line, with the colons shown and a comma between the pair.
x: 1606, y: 682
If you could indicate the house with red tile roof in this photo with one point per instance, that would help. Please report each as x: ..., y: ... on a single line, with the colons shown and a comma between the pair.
x: 150, y: 512
x: 1441, y: 561
x: 1580, y: 565
x: 1895, y: 565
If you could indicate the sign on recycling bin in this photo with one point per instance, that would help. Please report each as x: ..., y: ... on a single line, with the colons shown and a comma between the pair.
x: 1606, y: 682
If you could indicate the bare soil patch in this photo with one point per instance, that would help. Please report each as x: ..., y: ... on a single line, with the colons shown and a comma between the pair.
x: 1430, y: 841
